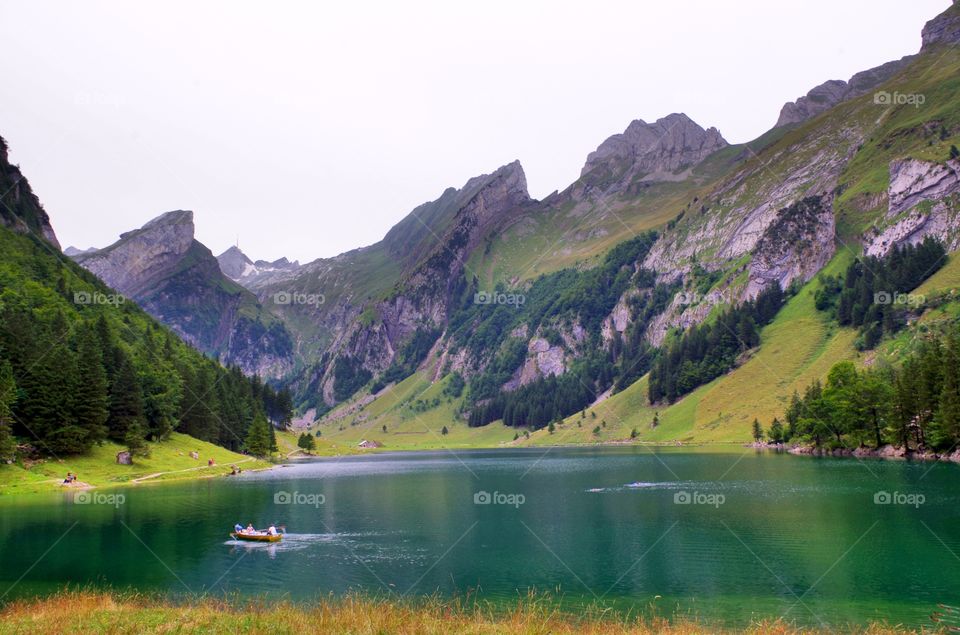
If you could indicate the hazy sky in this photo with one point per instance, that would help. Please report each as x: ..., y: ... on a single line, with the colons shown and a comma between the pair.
x: 308, y: 129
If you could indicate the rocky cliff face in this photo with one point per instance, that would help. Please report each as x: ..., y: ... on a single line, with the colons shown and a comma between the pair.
x: 416, y: 270
x: 755, y: 213
x: 943, y: 29
x: 144, y: 256
x: 739, y: 221
x: 20, y: 209
x: 655, y: 151
x: 830, y: 93
x: 178, y: 281
x: 923, y: 200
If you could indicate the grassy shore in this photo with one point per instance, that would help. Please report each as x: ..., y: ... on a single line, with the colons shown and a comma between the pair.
x: 97, y: 612
x: 168, y: 460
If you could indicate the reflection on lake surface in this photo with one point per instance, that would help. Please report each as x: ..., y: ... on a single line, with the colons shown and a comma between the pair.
x: 723, y: 535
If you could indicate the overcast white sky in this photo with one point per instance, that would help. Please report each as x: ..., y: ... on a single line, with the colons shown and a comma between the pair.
x: 308, y: 129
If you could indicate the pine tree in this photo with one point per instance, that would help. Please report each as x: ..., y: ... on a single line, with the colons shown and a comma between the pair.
x: 757, y: 431
x: 947, y: 429
x: 306, y: 442
x: 258, y: 438
x: 46, y: 404
x: 126, y: 401
x: 775, y: 433
x: 199, y: 404
x: 135, y: 439
x: 272, y: 432
x: 91, y: 402
x: 8, y: 396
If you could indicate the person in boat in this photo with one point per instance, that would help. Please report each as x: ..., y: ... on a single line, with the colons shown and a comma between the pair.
x: 272, y: 530
x: 238, y: 528
x: 249, y: 529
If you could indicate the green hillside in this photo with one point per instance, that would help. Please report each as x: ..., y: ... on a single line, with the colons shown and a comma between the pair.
x: 168, y: 460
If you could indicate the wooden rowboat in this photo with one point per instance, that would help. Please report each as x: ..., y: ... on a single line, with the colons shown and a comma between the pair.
x: 256, y: 537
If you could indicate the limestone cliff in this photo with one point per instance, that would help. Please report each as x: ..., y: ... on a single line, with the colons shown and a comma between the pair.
x: 177, y: 280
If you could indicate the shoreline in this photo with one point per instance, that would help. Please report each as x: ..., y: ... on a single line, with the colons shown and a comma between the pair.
x: 885, y: 452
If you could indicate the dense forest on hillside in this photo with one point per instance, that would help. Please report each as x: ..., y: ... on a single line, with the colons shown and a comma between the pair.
x: 549, y: 308
x: 707, y: 351
x: 873, y: 292
x: 915, y: 405
x: 80, y: 364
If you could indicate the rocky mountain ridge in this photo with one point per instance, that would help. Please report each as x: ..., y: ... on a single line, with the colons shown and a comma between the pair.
x: 839, y: 169
x: 655, y: 151
x: 177, y: 280
x: 255, y: 274
x: 20, y: 209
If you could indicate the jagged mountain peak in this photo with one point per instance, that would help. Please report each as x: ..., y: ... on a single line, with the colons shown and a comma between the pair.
x: 234, y: 250
x: 21, y: 210
x: 831, y: 92
x: 176, y: 217
x: 234, y: 263
x: 669, y: 144
x: 512, y: 172
x: 943, y: 29
x: 176, y: 279
x: 176, y: 226
x: 419, y: 231
x: 237, y: 266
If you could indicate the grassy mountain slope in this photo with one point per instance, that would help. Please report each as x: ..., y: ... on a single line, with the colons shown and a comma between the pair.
x: 798, y: 347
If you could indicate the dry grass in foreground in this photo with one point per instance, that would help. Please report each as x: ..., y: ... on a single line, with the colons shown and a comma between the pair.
x: 99, y: 612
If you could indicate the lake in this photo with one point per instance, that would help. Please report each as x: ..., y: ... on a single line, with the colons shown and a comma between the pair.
x: 723, y: 535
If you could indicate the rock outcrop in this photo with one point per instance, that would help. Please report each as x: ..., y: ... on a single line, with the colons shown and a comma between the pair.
x: 943, y: 29
x: 20, y: 209
x: 178, y: 281
x: 832, y: 92
x: 923, y: 200
x: 428, y: 251
x: 656, y: 150
x: 795, y: 246
x: 143, y: 256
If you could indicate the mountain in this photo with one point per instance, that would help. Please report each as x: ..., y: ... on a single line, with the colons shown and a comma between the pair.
x: 355, y: 312
x: 253, y: 275
x: 75, y: 251
x: 830, y: 93
x: 80, y: 365
x: 845, y: 171
x: 656, y: 285
x: 234, y: 263
x: 177, y: 280
x: 20, y: 209
x: 655, y: 151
